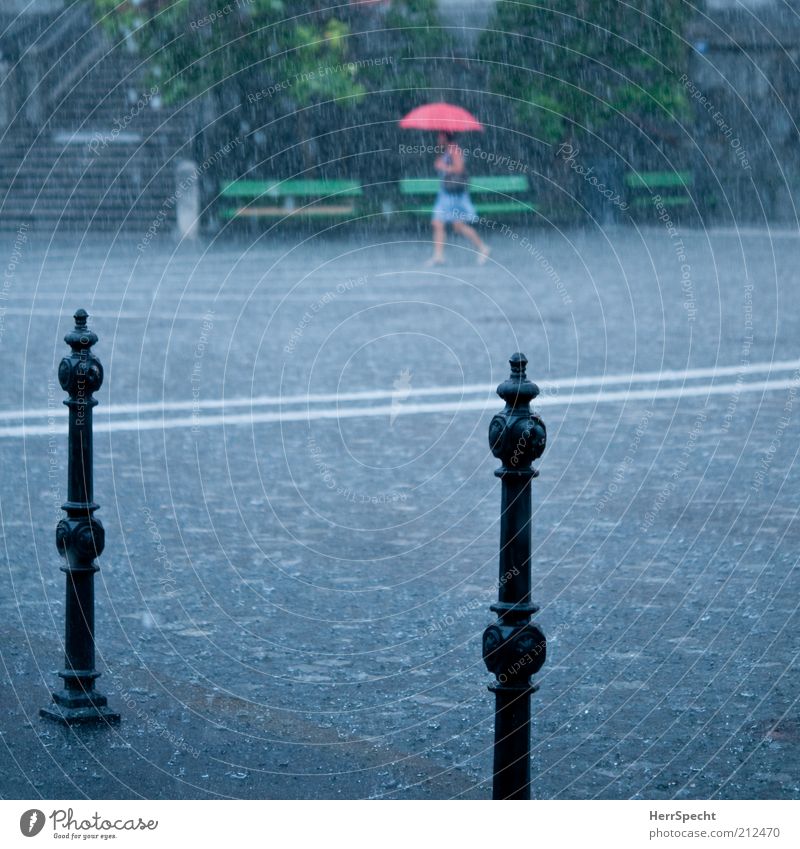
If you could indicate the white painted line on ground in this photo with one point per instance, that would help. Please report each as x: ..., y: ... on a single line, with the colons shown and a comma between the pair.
x: 309, y: 290
x: 768, y: 232
x: 548, y: 387
x: 221, y: 299
x: 236, y: 419
x: 409, y: 298
x: 67, y: 313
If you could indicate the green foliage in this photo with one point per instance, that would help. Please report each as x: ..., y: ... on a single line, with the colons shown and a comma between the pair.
x: 588, y: 65
x: 404, y: 36
x: 305, y: 47
x: 195, y: 46
x: 288, y: 75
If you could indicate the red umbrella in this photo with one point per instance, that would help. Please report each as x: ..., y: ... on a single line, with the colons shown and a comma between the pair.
x: 441, y: 116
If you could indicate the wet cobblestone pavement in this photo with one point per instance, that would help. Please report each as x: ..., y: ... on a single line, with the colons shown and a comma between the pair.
x: 295, y: 583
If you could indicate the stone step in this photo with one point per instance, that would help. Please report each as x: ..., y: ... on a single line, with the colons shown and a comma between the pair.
x: 105, y: 146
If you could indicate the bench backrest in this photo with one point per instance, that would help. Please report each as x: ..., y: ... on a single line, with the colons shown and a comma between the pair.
x: 291, y: 188
x: 507, y: 184
x: 658, y: 179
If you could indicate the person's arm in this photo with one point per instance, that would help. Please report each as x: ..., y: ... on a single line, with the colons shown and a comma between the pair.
x: 456, y: 164
x: 457, y: 160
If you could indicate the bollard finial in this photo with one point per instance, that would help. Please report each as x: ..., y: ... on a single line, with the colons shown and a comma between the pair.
x: 80, y: 338
x: 518, y: 362
x: 517, y: 436
x: 517, y: 390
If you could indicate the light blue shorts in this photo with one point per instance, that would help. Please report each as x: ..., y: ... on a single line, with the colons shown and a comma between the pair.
x: 451, y: 207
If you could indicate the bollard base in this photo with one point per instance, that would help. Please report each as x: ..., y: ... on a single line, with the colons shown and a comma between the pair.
x: 80, y: 710
x: 80, y: 716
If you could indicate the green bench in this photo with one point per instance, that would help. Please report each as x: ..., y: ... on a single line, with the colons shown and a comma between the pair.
x: 504, y: 195
x: 253, y: 199
x: 672, y: 187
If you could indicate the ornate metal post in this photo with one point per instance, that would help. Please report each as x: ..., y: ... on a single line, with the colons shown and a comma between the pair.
x: 80, y: 537
x: 513, y: 647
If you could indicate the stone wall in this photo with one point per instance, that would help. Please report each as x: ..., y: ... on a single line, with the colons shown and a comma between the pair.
x: 743, y: 79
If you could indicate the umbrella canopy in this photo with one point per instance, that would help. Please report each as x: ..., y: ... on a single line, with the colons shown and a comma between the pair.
x: 444, y: 117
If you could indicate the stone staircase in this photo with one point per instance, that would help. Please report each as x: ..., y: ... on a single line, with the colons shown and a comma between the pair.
x: 93, y: 147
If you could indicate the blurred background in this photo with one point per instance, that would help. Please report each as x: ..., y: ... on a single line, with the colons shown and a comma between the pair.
x: 100, y: 100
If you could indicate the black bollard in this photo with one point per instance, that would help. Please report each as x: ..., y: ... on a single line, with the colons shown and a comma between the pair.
x: 80, y: 538
x: 514, y: 648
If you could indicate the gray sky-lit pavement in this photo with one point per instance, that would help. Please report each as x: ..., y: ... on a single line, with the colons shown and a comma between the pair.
x: 302, y: 520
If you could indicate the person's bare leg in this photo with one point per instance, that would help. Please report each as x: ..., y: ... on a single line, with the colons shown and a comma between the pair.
x: 438, y: 244
x: 472, y: 234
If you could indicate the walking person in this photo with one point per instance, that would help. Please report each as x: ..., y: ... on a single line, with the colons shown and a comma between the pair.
x: 453, y: 204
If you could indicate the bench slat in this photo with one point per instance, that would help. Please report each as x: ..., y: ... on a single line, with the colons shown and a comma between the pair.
x: 480, y: 208
x: 291, y: 188
x: 422, y: 186
x: 513, y: 206
x: 281, y: 212
x: 665, y: 200
x: 506, y: 184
